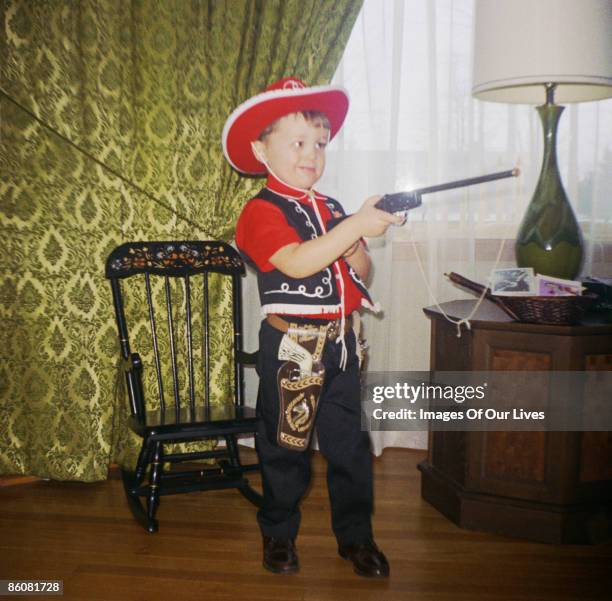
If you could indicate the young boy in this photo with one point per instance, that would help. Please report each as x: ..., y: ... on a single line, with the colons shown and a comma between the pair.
x: 310, y: 280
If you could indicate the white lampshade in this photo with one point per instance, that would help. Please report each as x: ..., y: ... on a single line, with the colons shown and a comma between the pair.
x: 519, y: 45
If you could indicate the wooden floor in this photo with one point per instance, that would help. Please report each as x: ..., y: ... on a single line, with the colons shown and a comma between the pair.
x: 84, y: 535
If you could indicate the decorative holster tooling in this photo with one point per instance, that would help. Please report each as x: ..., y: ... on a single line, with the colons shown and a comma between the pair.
x: 299, y: 392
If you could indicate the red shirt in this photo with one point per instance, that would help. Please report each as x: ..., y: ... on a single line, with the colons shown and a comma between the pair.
x: 262, y: 230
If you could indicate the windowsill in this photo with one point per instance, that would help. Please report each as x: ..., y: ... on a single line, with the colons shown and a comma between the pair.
x: 483, y: 250
x: 598, y: 232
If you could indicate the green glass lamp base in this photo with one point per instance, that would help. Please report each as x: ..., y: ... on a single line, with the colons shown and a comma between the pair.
x: 562, y: 261
x: 549, y: 238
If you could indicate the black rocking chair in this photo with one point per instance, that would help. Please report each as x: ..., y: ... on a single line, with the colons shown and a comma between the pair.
x: 169, y: 363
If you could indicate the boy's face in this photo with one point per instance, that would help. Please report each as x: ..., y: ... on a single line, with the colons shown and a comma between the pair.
x: 295, y: 150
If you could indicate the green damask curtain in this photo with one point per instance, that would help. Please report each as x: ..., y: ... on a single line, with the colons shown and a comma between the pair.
x: 145, y: 87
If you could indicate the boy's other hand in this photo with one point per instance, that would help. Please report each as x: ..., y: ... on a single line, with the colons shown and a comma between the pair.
x: 374, y: 222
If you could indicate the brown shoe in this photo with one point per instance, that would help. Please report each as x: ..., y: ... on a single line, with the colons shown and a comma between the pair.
x: 367, y: 559
x: 280, y: 555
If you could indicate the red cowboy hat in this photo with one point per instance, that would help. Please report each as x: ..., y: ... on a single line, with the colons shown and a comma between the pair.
x: 286, y: 96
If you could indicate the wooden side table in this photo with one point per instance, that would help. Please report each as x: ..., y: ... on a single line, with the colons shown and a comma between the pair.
x: 553, y: 487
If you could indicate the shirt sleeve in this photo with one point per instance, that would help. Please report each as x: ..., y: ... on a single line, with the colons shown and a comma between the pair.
x: 261, y: 231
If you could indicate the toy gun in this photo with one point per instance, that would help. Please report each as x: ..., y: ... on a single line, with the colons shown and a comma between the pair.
x: 400, y: 202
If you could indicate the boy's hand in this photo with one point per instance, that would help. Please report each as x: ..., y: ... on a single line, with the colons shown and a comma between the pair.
x: 372, y: 221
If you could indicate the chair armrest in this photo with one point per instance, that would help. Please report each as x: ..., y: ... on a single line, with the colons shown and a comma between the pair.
x: 247, y: 358
x: 134, y: 362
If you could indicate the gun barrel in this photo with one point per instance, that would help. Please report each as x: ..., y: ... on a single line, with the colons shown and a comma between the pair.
x: 403, y: 201
x: 470, y: 181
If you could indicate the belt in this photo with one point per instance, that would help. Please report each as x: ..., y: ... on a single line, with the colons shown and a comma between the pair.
x: 330, y: 330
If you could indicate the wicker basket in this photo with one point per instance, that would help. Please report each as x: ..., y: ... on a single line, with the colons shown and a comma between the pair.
x: 552, y: 310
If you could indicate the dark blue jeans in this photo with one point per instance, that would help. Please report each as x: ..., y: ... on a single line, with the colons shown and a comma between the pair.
x: 286, y: 473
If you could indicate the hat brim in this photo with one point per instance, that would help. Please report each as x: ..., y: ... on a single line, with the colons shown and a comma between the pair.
x: 249, y: 119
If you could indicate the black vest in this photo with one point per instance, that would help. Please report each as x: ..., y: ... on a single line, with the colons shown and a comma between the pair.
x: 318, y: 293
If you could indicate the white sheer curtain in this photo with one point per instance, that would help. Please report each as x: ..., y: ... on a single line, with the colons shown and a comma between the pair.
x: 412, y: 122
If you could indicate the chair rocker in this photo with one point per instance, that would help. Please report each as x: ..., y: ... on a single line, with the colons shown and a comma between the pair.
x: 169, y: 365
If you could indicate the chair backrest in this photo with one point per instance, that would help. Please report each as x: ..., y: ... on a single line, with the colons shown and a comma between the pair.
x: 173, y: 299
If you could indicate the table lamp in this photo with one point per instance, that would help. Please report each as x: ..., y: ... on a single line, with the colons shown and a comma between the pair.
x: 536, y: 51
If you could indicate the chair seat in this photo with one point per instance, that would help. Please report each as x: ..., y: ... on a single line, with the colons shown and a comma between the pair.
x: 214, y: 421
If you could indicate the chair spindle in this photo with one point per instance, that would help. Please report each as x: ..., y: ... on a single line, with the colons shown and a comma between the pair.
x: 158, y: 370
x: 177, y: 402
x: 206, y: 347
x: 189, y: 347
